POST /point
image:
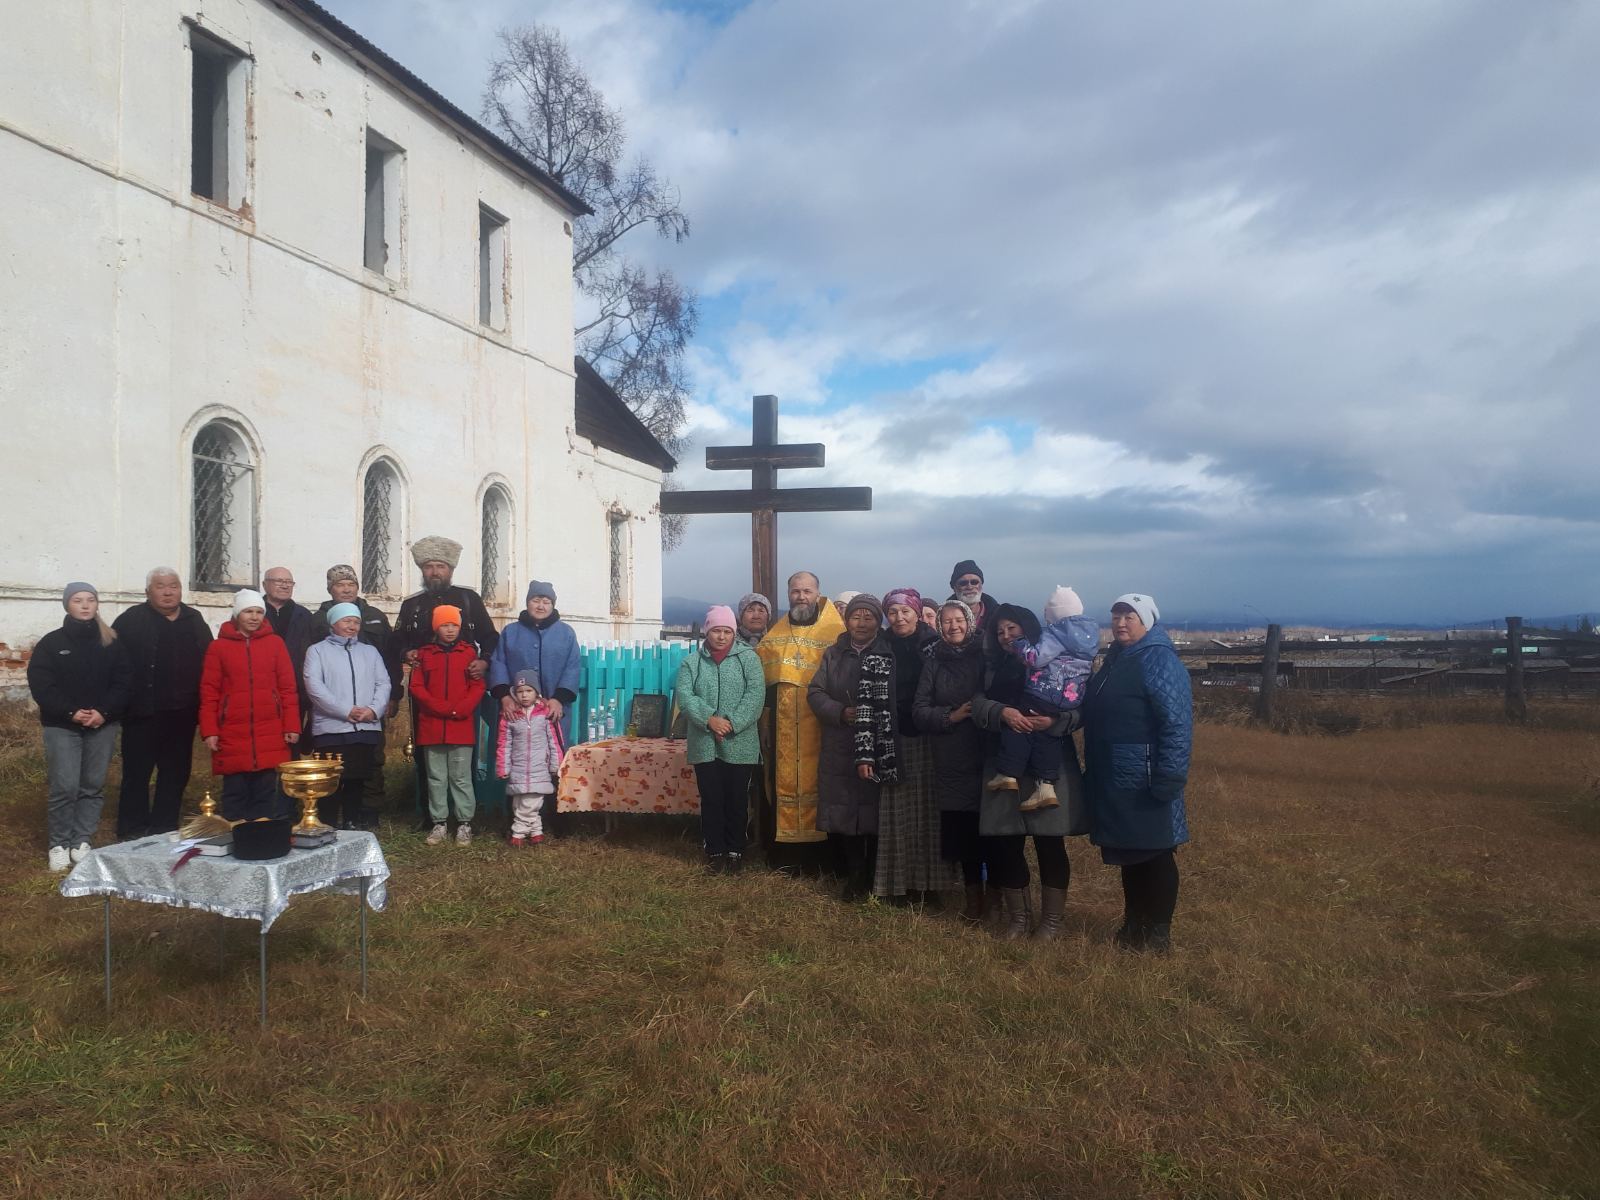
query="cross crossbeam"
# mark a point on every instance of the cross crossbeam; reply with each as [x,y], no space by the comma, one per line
[764,499]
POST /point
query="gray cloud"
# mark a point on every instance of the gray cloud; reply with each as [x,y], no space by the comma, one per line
[1341,252]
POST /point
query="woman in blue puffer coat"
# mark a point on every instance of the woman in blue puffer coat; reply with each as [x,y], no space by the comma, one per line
[1138,728]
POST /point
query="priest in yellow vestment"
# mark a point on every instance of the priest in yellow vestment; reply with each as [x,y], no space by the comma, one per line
[790,653]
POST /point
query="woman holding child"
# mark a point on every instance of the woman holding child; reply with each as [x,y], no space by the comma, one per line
[1033,774]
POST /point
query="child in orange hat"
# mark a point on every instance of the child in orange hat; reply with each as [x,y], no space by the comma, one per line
[447,699]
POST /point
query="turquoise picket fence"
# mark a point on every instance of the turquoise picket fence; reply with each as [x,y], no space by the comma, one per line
[615,671]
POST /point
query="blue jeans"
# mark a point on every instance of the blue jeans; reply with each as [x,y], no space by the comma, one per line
[75,769]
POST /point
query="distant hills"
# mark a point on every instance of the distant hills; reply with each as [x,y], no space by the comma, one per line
[682,610]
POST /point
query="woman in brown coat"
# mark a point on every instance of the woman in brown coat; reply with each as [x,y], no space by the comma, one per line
[853,694]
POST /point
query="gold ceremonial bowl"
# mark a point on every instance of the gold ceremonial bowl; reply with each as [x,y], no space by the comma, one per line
[309,780]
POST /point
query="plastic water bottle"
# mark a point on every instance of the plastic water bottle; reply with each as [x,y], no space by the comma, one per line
[611,717]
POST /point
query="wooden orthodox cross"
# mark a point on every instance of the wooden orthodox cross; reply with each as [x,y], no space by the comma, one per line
[764,500]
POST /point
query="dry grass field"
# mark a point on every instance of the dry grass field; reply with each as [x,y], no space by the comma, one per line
[1386,983]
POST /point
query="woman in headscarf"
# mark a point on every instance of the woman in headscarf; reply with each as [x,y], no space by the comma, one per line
[950,679]
[853,695]
[1003,823]
[754,615]
[1138,730]
[909,866]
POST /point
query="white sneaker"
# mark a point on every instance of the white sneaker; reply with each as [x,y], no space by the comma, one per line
[59,859]
[463,834]
[80,852]
[438,835]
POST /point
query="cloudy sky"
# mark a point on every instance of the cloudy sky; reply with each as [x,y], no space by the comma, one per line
[1268,309]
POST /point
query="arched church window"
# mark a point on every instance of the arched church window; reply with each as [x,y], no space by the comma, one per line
[223,509]
[382,547]
[495,548]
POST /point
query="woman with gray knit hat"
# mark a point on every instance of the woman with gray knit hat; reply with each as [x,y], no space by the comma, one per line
[1138,726]
[754,615]
[82,682]
[853,695]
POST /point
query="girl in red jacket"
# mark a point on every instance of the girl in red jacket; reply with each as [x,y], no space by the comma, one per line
[249,711]
[446,700]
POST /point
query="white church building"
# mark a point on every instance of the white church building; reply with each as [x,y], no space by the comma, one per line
[266,298]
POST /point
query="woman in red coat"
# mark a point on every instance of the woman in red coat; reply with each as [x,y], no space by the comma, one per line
[249,711]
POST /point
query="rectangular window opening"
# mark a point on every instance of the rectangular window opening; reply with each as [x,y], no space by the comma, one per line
[381,236]
[491,268]
[621,584]
[217,103]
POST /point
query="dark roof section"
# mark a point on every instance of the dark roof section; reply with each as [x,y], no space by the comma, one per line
[341,32]
[605,420]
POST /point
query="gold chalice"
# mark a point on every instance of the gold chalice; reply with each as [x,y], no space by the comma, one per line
[309,780]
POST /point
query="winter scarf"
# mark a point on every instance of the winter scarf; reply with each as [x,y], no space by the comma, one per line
[875,713]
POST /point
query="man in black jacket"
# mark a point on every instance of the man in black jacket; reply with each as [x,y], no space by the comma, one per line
[437,558]
[966,585]
[345,588]
[166,642]
[290,620]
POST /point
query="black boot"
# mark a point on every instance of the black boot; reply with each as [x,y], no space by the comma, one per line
[1052,914]
[716,864]
[733,863]
[1158,938]
[1015,901]
[972,914]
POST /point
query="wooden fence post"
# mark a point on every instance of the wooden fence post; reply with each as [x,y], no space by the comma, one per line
[1516,698]
[1269,674]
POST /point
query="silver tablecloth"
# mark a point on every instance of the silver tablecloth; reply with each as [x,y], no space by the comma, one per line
[251,891]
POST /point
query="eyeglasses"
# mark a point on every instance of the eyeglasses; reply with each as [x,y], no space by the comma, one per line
[969,581]
[290,582]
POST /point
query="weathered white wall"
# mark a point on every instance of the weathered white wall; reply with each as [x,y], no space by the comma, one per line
[131,312]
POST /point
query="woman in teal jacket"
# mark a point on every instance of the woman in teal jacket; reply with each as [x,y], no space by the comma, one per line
[721,689]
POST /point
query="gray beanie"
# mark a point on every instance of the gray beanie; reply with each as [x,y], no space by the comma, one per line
[540,588]
[73,588]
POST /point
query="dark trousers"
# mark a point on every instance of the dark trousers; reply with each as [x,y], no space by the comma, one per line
[855,855]
[249,795]
[960,842]
[1037,754]
[161,745]
[724,804]
[1008,862]
[1150,890]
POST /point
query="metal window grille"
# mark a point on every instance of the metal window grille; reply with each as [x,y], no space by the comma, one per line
[377,529]
[619,563]
[492,585]
[222,477]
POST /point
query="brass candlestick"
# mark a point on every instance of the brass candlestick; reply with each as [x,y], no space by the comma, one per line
[309,780]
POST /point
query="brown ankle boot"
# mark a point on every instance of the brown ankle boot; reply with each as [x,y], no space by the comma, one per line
[1016,906]
[1052,914]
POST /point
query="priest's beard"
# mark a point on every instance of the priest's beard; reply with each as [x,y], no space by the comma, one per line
[802,614]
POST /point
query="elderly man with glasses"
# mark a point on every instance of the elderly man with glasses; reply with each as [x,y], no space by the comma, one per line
[290,620]
[966,585]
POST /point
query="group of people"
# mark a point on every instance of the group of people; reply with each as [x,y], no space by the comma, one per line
[911,745]
[914,745]
[278,680]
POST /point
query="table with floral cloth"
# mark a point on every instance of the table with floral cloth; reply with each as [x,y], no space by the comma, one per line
[628,775]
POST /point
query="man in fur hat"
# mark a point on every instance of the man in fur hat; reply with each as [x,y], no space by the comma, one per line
[437,558]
